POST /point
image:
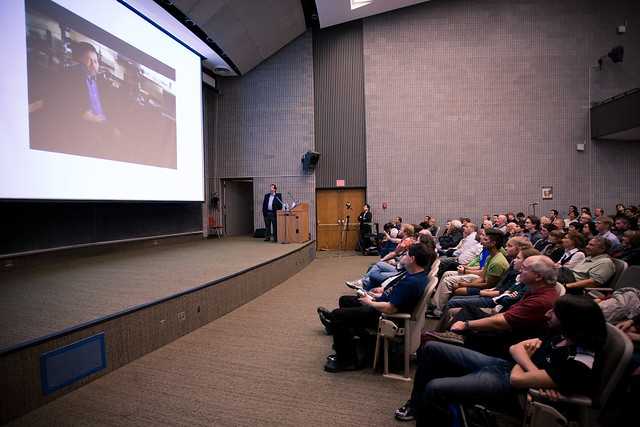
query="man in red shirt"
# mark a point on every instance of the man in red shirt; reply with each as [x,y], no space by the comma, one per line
[493,334]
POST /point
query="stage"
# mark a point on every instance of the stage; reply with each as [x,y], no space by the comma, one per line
[39,301]
[76,317]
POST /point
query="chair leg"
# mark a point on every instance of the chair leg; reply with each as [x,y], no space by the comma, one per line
[386,356]
[377,351]
[407,347]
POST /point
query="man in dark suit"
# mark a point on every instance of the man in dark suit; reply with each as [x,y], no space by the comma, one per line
[272,202]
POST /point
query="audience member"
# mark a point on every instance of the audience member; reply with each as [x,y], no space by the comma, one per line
[595,271]
[514,229]
[572,216]
[630,252]
[589,230]
[532,229]
[501,223]
[603,226]
[451,375]
[467,249]
[452,235]
[621,225]
[559,223]
[554,249]
[489,276]
[357,313]
[585,218]
[543,241]
[573,243]
[506,293]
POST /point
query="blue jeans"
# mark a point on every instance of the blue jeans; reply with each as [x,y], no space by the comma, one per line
[465,301]
[378,274]
[449,374]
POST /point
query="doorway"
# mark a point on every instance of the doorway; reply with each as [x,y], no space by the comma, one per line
[337,213]
[237,206]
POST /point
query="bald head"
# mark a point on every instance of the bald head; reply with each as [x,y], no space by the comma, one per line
[539,270]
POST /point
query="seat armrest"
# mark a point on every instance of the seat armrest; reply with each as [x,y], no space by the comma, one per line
[574,399]
[599,289]
[396,316]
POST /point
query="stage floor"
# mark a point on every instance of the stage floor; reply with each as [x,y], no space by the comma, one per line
[40,301]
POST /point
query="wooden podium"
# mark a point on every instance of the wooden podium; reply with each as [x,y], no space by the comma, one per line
[293,225]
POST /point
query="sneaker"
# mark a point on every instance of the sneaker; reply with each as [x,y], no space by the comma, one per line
[335,366]
[447,337]
[325,319]
[434,314]
[354,284]
[405,412]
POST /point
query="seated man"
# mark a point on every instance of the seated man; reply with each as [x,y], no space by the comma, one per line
[468,248]
[594,272]
[513,247]
[382,270]
[452,235]
[489,276]
[358,313]
[508,291]
[603,225]
[564,363]
[492,334]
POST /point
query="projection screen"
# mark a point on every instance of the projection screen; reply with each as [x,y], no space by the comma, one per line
[96,103]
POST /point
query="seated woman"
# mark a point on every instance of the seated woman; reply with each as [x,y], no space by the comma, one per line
[449,374]
[573,244]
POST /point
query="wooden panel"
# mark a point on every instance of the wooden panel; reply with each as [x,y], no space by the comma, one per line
[332,215]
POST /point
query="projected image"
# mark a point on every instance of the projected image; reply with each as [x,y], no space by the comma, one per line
[94,95]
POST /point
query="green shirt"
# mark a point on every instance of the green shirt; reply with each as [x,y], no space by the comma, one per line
[496,266]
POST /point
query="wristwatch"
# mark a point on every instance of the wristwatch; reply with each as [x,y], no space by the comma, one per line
[466,325]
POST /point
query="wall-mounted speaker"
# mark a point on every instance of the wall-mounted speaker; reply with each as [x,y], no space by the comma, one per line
[310,160]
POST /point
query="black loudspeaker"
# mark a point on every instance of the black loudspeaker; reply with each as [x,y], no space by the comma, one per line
[310,160]
[617,54]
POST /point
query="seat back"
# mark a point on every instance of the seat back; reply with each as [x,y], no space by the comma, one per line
[630,278]
[560,289]
[434,268]
[612,363]
[621,266]
[419,314]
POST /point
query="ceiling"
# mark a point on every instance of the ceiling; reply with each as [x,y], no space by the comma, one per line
[236,35]
[333,12]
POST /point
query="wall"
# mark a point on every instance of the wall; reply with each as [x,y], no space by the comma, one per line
[338,72]
[472,106]
[265,125]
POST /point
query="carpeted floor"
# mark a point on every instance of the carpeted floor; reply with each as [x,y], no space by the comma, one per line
[259,365]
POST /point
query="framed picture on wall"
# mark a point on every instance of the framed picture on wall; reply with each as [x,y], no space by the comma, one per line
[547,193]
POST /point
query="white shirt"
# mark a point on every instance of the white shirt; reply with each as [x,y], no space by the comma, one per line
[576,259]
[467,249]
[270,204]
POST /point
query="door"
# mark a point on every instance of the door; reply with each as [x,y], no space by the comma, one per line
[238,207]
[337,213]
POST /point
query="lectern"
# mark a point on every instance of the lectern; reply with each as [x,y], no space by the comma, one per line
[293,225]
